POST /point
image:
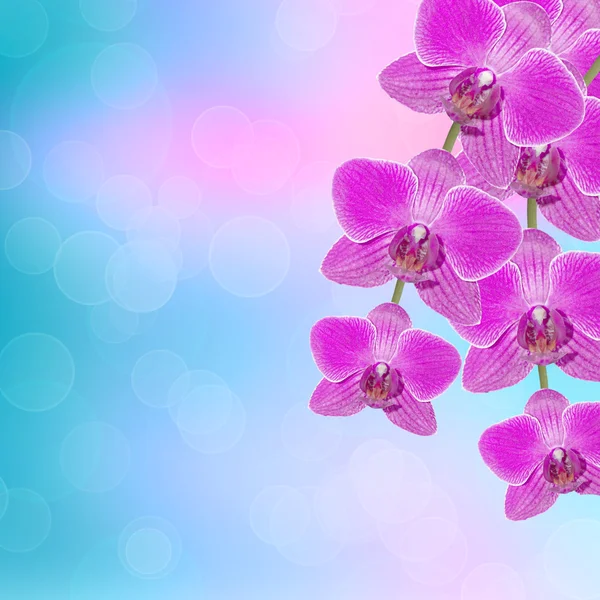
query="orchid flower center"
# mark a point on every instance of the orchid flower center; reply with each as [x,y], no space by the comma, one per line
[542,333]
[562,469]
[539,168]
[415,251]
[381,384]
[474,93]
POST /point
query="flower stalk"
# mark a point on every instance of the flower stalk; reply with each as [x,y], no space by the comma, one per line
[593,72]
[531,213]
[398,291]
[543,373]
[451,137]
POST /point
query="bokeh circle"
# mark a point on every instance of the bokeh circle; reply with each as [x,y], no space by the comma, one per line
[15,160]
[493,581]
[108,15]
[306,25]
[180,196]
[120,198]
[23,27]
[31,245]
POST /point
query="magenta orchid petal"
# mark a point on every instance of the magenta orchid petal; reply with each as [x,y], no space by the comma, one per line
[582,430]
[340,399]
[583,360]
[451,296]
[421,88]
[475,179]
[582,150]
[411,415]
[542,100]
[437,172]
[527,26]
[585,51]
[362,265]
[502,305]
[590,480]
[372,197]
[514,448]
[533,258]
[532,498]
[488,150]
[572,211]
[547,406]
[577,16]
[552,7]
[427,364]
[499,366]
[479,233]
[575,289]
[342,346]
[390,321]
[578,76]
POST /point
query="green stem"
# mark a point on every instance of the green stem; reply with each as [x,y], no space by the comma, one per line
[451,137]
[398,291]
[531,213]
[593,72]
[543,373]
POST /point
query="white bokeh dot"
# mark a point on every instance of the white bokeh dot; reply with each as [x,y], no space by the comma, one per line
[108,15]
[23,27]
[268,157]
[73,171]
[196,235]
[31,245]
[204,409]
[249,256]
[120,198]
[188,381]
[312,205]
[154,374]
[493,581]
[289,518]
[124,76]
[154,223]
[180,196]
[571,558]
[262,507]
[80,266]
[112,324]
[217,132]
[36,372]
[306,25]
[26,522]
[15,160]
[95,456]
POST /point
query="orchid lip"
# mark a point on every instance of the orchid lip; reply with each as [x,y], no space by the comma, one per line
[562,469]
[539,168]
[380,384]
[543,334]
[415,251]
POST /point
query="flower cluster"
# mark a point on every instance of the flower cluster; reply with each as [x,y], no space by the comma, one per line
[517,80]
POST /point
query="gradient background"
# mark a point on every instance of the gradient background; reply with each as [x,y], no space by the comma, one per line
[155,440]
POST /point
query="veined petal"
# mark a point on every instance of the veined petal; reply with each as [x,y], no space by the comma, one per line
[421,88]
[437,172]
[428,364]
[451,296]
[530,499]
[590,480]
[552,7]
[576,17]
[582,426]
[533,258]
[475,179]
[479,233]
[542,100]
[411,415]
[527,26]
[583,360]
[585,51]
[342,346]
[496,367]
[547,406]
[514,448]
[502,304]
[457,33]
[489,151]
[390,321]
[362,265]
[372,197]
[340,399]
[575,289]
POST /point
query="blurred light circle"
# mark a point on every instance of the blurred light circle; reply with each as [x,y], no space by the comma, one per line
[217,132]
[289,518]
[150,547]
[154,374]
[262,507]
[3,497]
[308,436]
[196,235]
[36,372]
[80,267]
[266,158]
[73,171]
[23,27]
[186,383]
[249,256]
[26,522]
[204,409]
[113,324]
[493,581]
[180,196]
[306,25]
[571,558]
[31,245]
[15,157]
[359,459]
[95,457]
[120,198]
[108,15]
[124,76]
[141,276]
[312,206]
[353,7]
[154,223]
